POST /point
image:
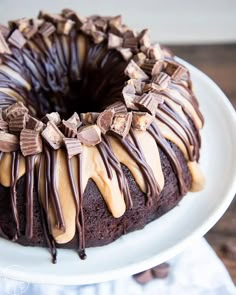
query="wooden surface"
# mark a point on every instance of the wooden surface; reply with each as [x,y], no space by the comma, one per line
[218,62]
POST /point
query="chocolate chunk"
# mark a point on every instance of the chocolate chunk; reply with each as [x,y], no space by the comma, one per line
[3,125]
[34,124]
[161,271]
[148,102]
[129,96]
[175,70]
[89,135]
[17,39]
[143,277]
[104,120]
[135,72]
[5,31]
[139,58]
[88,27]
[53,135]
[144,40]
[162,80]
[30,142]
[71,126]
[121,123]
[15,110]
[114,41]
[18,123]
[141,121]
[130,41]
[115,25]
[155,52]
[89,118]
[21,24]
[65,27]
[152,66]
[8,142]
[47,29]
[30,31]
[71,14]
[4,48]
[73,146]
[229,249]
[119,107]
[53,117]
[126,53]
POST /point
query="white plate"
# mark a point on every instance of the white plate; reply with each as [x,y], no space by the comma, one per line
[161,239]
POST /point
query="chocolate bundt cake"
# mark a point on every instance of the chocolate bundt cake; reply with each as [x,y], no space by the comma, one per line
[99,131]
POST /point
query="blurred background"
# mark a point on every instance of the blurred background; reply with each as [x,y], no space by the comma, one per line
[202,32]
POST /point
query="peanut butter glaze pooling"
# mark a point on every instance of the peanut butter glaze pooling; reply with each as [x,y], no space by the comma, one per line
[65,63]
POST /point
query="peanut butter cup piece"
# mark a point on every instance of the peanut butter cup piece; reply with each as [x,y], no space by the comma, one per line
[53,135]
[30,142]
[73,146]
[104,120]
[152,67]
[162,80]
[46,29]
[143,277]
[89,118]
[114,41]
[138,85]
[53,117]
[15,110]
[148,102]
[17,39]
[155,52]
[90,135]
[135,72]
[5,31]
[141,121]
[3,125]
[18,123]
[34,124]
[64,27]
[70,126]
[176,71]
[121,123]
[144,40]
[4,48]
[126,53]
[118,106]
[139,58]
[8,142]
[129,96]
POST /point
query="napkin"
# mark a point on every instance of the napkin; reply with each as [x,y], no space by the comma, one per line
[196,271]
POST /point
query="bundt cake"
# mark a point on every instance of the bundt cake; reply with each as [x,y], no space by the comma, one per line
[99,131]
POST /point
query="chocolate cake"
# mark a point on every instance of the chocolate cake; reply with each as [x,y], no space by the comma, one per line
[99,131]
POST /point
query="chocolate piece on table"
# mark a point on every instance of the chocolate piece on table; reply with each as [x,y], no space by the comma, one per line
[162,80]
[53,117]
[114,41]
[118,106]
[47,29]
[30,142]
[17,39]
[89,118]
[129,96]
[175,70]
[135,72]
[3,125]
[121,124]
[143,277]
[161,271]
[8,142]
[148,102]
[4,48]
[53,135]
[15,110]
[104,120]
[34,124]
[18,123]
[73,146]
[90,135]
[229,249]
[141,120]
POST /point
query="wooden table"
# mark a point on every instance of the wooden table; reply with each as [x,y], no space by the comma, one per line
[218,62]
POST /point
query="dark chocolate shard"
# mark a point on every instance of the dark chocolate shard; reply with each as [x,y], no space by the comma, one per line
[15,110]
[47,29]
[118,106]
[53,135]
[105,119]
[53,117]
[161,271]
[129,96]
[73,146]
[143,277]
[162,80]
[142,120]
[175,70]
[90,135]
[4,48]
[121,123]
[3,125]
[89,118]
[8,142]
[30,142]
[18,123]
[148,102]
[17,39]
[34,124]
[114,41]
[135,72]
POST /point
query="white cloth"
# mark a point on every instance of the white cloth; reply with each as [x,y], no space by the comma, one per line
[197,271]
